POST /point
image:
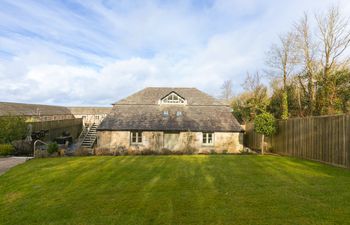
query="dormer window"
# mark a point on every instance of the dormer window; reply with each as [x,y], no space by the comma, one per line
[173,98]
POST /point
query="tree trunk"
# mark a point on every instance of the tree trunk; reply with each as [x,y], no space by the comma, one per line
[262,144]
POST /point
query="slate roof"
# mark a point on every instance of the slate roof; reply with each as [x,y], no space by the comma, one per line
[142,111]
[151,95]
[22,109]
[89,110]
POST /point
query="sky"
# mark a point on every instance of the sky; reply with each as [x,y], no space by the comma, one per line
[93,53]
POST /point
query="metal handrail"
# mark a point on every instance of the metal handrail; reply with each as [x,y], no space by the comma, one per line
[35,142]
[80,142]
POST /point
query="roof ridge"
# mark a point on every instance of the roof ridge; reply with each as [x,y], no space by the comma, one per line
[21,103]
[151,96]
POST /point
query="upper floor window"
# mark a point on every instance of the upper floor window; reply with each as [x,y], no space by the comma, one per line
[208,138]
[173,98]
[136,137]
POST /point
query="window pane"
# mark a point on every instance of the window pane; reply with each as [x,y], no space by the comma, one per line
[139,137]
[133,137]
[210,138]
[204,138]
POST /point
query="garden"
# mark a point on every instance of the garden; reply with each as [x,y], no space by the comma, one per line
[188,189]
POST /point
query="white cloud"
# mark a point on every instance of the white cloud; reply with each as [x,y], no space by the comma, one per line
[97,54]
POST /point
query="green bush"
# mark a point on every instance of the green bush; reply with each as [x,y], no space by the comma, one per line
[12,128]
[265,124]
[52,148]
[6,149]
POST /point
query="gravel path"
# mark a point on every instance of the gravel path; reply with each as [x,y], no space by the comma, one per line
[7,163]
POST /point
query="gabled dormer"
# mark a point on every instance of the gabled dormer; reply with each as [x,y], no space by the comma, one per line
[172,98]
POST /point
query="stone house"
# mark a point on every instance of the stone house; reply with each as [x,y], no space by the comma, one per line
[177,119]
[90,115]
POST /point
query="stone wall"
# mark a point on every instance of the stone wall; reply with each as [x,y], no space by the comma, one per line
[223,141]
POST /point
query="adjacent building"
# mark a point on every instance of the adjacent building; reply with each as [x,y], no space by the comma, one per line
[170,118]
[90,115]
[35,112]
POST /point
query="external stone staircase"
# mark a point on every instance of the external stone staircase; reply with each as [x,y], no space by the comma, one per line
[88,137]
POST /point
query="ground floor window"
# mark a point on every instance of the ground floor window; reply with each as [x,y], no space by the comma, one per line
[208,138]
[136,137]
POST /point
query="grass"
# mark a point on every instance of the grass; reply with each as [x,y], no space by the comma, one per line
[175,190]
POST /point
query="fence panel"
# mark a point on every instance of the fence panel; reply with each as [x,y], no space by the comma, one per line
[322,138]
[57,127]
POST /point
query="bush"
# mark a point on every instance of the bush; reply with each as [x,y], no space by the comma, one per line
[22,148]
[148,152]
[121,150]
[265,124]
[82,152]
[12,128]
[165,151]
[103,151]
[6,149]
[39,153]
[52,148]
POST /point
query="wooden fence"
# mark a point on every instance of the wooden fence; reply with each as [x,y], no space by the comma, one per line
[321,138]
[57,127]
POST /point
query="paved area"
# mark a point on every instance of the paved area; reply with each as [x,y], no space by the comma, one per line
[7,163]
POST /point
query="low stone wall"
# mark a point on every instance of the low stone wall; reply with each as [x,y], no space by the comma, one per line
[223,141]
[57,127]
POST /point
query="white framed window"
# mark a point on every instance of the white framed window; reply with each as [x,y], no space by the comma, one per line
[178,113]
[136,137]
[173,98]
[165,113]
[208,138]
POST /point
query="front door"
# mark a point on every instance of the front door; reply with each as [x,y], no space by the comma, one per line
[171,140]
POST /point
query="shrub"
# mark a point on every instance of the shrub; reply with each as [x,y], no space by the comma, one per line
[82,152]
[265,124]
[12,128]
[39,153]
[6,149]
[22,148]
[61,152]
[148,152]
[204,152]
[103,151]
[52,148]
[134,152]
[165,151]
[178,152]
[120,150]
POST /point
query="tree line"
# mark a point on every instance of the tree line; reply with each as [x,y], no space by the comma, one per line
[308,70]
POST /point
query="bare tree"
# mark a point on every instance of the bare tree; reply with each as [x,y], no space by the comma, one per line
[308,49]
[282,59]
[334,34]
[227,91]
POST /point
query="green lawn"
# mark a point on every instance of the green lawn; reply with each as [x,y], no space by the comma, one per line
[175,190]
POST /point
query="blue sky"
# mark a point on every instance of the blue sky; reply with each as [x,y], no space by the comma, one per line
[96,52]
